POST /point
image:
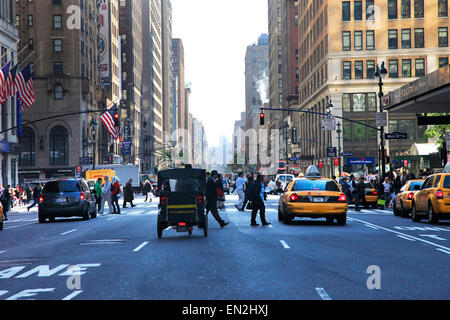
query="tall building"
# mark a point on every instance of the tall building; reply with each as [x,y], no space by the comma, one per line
[130,27]
[9,147]
[340,45]
[66,80]
[180,94]
[166,35]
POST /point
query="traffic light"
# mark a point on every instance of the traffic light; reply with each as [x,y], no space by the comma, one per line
[261,118]
[320,164]
[116,120]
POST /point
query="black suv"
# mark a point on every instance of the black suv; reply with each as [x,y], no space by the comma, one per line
[66,198]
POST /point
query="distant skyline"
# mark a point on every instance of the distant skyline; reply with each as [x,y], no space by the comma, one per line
[215,36]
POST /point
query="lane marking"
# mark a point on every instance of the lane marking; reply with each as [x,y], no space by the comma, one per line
[405,235]
[111,218]
[2,292]
[406,238]
[67,232]
[73,295]
[285,245]
[444,251]
[22,225]
[369,226]
[2,251]
[141,246]
[323,294]
[433,236]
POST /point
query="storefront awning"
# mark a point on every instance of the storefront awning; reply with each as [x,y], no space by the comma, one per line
[428,94]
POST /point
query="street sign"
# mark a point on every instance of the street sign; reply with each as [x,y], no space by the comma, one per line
[381,119]
[331,152]
[294,135]
[347,154]
[396,135]
[447,140]
[360,161]
[328,124]
[84,161]
[294,159]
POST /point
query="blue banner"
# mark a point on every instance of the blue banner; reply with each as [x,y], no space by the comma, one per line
[19,117]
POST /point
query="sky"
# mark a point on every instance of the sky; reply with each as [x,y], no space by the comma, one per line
[215,35]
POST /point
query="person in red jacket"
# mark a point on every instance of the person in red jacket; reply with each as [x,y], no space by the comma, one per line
[115,195]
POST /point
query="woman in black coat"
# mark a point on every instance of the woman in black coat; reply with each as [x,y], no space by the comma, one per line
[128,195]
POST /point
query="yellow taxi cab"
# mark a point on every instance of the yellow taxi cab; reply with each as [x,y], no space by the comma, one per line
[1,216]
[403,200]
[313,197]
[432,201]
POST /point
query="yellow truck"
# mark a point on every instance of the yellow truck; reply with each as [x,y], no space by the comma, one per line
[93,175]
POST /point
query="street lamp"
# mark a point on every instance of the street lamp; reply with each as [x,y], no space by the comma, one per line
[381,74]
[329,106]
[94,142]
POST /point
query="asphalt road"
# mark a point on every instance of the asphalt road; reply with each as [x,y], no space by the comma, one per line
[375,256]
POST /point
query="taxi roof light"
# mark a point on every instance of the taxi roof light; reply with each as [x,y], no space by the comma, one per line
[312,172]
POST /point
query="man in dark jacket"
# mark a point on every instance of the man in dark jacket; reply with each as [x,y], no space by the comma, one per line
[256,195]
[36,194]
[361,194]
[211,198]
[6,202]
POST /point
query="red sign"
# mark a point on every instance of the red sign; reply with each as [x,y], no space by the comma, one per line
[336,161]
[405,163]
[320,164]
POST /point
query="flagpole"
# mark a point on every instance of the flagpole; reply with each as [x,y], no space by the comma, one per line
[16,56]
[9,49]
[21,63]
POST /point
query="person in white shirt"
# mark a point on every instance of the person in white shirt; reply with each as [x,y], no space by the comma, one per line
[240,182]
[387,191]
[106,196]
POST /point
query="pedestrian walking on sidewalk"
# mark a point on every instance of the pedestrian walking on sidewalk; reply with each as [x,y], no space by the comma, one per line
[6,202]
[360,194]
[36,193]
[256,196]
[98,192]
[106,196]
[128,195]
[247,186]
[115,195]
[240,185]
[211,198]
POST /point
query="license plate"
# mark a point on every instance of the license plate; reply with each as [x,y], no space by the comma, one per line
[182,229]
[61,200]
[318,199]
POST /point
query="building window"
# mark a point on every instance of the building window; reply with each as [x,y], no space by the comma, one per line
[30,44]
[17,20]
[406,38]
[30,20]
[406,9]
[443,61]
[370,69]
[370,40]
[58,92]
[418,9]
[346,104]
[280,83]
[406,68]
[357,10]
[392,9]
[359,132]
[57,22]
[346,41]
[443,8]
[27,141]
[58,69]
[372,102]
[419,41]
[370,10]
[347,70]
[59,147]
[57,45]
[347,130]
[420,67]
[359,102]
[393,68]
[358,40]
[358,69]
[393,39]
[346,11]
[372,133]
[443,37]
[280,98]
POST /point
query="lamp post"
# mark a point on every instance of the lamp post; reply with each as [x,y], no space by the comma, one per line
[94,140]
[381,74]
[339,131]
[330,105]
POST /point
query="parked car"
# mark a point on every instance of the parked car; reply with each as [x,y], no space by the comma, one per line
[66,198]
[284,179]
[432,201]
[403,199]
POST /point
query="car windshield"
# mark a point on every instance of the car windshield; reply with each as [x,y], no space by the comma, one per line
[368,185]
[62,186]
[181,185]
[321,185]
[413,184]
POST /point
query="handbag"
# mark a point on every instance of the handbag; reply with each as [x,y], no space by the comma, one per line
[220,193]
[381,202]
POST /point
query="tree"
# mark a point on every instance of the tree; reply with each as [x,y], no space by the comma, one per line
[437,132]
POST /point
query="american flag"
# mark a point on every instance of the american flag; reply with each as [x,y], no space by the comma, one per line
[108,121]
[10,89]
[24,86]
[3,77]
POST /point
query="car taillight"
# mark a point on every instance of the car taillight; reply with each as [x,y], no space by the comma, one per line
[342,198]
[163,200]
[410,196]
[374,193]
[41,199]
[182,224]
[439,194]
[293,198]
[82,196]
[199,199]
